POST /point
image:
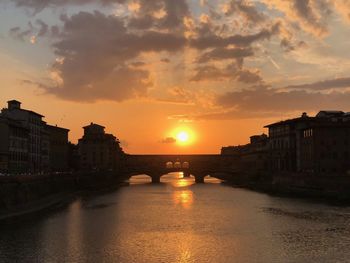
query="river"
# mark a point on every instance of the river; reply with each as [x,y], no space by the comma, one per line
[180,221]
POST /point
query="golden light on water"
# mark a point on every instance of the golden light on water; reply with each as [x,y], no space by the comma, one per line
[182,181]
[183,198]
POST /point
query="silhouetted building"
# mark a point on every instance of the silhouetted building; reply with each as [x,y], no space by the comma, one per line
[29,140]
[253,156]
[58,157]
[283,138]
[73,157]
[319,144]
[13,146]
[37,140]
[231,150]
[98,150]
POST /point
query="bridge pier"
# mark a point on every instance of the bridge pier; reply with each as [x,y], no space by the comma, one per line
[186,173]
[199,179]
[156,179]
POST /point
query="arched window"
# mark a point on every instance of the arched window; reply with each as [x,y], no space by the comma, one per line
[177,165]
[185,165]
[169,165]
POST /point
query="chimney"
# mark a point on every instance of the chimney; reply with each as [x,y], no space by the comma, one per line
[304,115]
[13,104]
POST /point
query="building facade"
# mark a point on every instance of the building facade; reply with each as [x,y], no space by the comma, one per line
[325,144]
[284,139]
[252,156]
[25,144]
[13,146]
[315,145]
[99,150]
[58,141]
[37,140]
[73,157]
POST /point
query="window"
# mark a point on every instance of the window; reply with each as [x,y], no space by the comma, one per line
[169,165]
[177,164]
[308,133]
[185,165]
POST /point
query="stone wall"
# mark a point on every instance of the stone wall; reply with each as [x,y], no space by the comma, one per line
[20,192]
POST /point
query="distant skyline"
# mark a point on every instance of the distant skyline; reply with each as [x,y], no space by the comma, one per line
[151,70]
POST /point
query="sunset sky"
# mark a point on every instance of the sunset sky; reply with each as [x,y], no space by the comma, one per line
[149,69]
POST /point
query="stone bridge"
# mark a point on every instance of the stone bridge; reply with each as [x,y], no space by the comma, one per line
[199,165]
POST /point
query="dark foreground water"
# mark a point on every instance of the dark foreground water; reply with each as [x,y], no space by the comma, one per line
[179,221]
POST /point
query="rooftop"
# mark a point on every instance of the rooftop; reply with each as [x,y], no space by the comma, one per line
[56,127]
[15,104]
[14,101]
[320,116]
[33,112]
[94,125]
[289,121]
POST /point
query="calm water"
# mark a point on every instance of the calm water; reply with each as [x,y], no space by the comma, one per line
[180,221]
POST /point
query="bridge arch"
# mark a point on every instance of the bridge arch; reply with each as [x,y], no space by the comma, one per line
[154,177]
[199,176]
[141,176]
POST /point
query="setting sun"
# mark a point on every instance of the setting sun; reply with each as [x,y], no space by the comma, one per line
[183,136]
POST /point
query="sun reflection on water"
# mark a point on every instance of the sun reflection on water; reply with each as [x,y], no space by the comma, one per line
[183,198]
[183,182]
[185,257]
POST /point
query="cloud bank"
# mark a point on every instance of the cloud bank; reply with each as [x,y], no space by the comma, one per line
[108,55]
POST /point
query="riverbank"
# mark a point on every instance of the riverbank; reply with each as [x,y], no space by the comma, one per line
[22,195]
[330,189]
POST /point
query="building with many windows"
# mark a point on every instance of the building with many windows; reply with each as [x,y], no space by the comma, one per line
[37,143]
[25,145]
[252,156]
[59,151]
[13,146]
[319,144]
[99,150]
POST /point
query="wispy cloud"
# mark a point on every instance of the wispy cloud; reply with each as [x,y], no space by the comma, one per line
[337,83]
[168,140]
